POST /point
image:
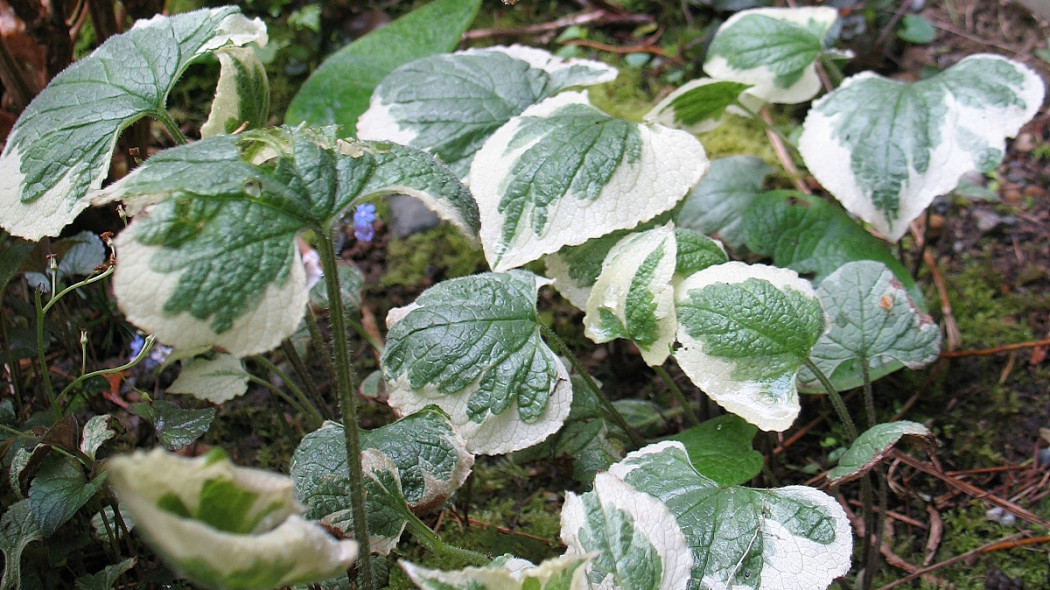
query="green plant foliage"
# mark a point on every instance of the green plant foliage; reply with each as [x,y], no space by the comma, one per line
[720,448]
[338,92]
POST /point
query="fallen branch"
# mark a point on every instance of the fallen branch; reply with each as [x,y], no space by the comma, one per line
[595,18]
[997,349]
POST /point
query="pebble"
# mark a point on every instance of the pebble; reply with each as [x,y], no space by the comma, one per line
[1013,196]
[1024,143]
[1034,191]
[408,215]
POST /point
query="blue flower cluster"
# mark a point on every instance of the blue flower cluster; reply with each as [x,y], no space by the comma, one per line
[364,217]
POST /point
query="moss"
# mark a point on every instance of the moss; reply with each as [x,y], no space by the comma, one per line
[427,257]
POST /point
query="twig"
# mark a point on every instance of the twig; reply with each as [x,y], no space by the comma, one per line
[782,153]
[950,29]
[596,17]
[996,350]
[1004,543]
[970,489]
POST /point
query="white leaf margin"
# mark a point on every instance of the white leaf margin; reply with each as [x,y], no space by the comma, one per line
[672,161]
[789,561]
[613,286]
[142,293]
[510,575]
[762,78]
[714,375]
[829,161]
[53,209]
[651,517]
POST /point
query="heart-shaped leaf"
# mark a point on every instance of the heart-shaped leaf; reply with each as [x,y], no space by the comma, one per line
[790,537]
[217,380]
[634,539]
[718,202]
[450,104]
[472,346]
[59,150]
[58,490]
[720,448]
[699,106]
[564,172]
[696,252]
[18,529]
[773,49]
[217,264]
[224,526]
[886,148]
[633,297]
[871,320]
[338,91]
[871,446]
[745,330]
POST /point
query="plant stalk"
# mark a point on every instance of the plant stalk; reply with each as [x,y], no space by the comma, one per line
[836,400]
[304,375]
[610,409]
[304,402]
[676,392]
[433,542]
[41,355]
[346,383]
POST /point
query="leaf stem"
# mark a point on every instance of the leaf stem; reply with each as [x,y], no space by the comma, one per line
[836,400]
[346,383]
[45,377]
[610,409]
[171,126]
[304,402]
[433,542]
[143,352]
[303,373]
[676,392]
[279,393]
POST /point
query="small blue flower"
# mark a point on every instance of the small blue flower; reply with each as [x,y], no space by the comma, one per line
[364,217]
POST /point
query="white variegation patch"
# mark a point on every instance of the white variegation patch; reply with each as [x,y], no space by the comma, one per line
[238,65]
[762,77]
[769,403]
[670,163]
[216,380]
[505,573]
[558,271]
[930,138]
[50,212]
[495,434]
[650,520]
[142,292]
[235,29]
[616,293]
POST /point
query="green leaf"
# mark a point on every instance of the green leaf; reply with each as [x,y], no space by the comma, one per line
[745,331]
[564,172]
[633,297]
[338,91]
[871,446]
[96,433]
[223,526]
[720,448]
[59,150]
[811,236]
[472,346]
[216,264]
[431,458]
[242,97]
[717,203]
[871,319]
[790,537]
[587,438]
[18,529]
[450,104]
[637,544]
[217,380]
[176,427]
[916,29]
[699,106]
[14,252]
[58,490]
[774,49]
[696,252]
[574,269]
[512,573]
[886,148]
[107,578]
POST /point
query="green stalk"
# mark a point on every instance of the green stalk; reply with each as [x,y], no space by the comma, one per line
[304,402]
[319,343]
[346,383]
[171,126]
[876,526]
[41,356]
[610,409]
[146,347]
[304,375]
[279,393]
[836,400]
[676,392]
[433,542]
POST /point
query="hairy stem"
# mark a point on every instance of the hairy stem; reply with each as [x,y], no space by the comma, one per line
[610,409]
[433,542]
[41,355]
[346,383]
[301,371]
[305,403]
[836,400]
